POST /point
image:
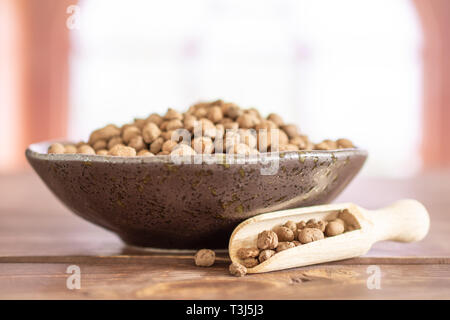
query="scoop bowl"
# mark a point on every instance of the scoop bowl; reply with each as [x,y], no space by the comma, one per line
[159,203]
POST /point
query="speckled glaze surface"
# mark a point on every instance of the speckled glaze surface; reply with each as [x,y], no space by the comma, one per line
[152,202]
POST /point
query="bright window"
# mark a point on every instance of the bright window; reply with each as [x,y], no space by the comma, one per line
[347,68]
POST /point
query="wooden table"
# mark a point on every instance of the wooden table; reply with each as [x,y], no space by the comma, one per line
[40,239]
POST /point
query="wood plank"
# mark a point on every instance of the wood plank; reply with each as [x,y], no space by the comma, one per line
[182,280]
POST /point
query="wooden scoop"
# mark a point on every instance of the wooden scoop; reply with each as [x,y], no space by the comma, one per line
[404,221]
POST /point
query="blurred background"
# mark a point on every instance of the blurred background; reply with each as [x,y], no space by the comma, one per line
[374,71]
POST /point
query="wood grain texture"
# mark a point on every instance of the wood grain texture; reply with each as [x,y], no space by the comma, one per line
[39,239]
[174,277]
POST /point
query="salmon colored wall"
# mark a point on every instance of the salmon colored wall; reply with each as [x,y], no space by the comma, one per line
[40,60]
[435,20]
[11,77]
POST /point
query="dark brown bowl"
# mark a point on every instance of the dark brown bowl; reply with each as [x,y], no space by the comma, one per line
[152,202]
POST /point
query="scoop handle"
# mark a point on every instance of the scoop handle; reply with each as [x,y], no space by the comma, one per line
[404,221]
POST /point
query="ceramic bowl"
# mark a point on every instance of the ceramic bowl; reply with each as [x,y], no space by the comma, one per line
[156,202]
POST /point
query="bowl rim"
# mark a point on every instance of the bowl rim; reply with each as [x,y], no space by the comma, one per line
[32,151]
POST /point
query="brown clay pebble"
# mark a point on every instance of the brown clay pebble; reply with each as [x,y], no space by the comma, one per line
[308,235]
[233,111]
[291,130]
[122,151]
[344,143]
[172,114]
[265,254]
[332,144]
[137,143]
[322,146]
[250,262]
[301,225]
[200,113]
[150,132]
[299,142]
[70,148]
[145,153]
[282,138]
[340,221]
[296,233]
[268,139]
[182,150]
[275,119]
[140,123]
[267,240]
[174,124]
[203,145]
[256,113]
[244,253]
[288,147]
[284,246]
[189,122]
[85,149]
[129,133]
[105,133]
[56,148]
[318,224]
[156,145]
[169,145]
[247,121]
[265,125]
[114,141]
[334,228]
[248,137]
[291,225]
[237,270]
[208,128]
[284,234]
[231,126]
[205,258]
[215,114]
[102,152]
[163,125]
[167,135]
[155,118]
[99,145]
